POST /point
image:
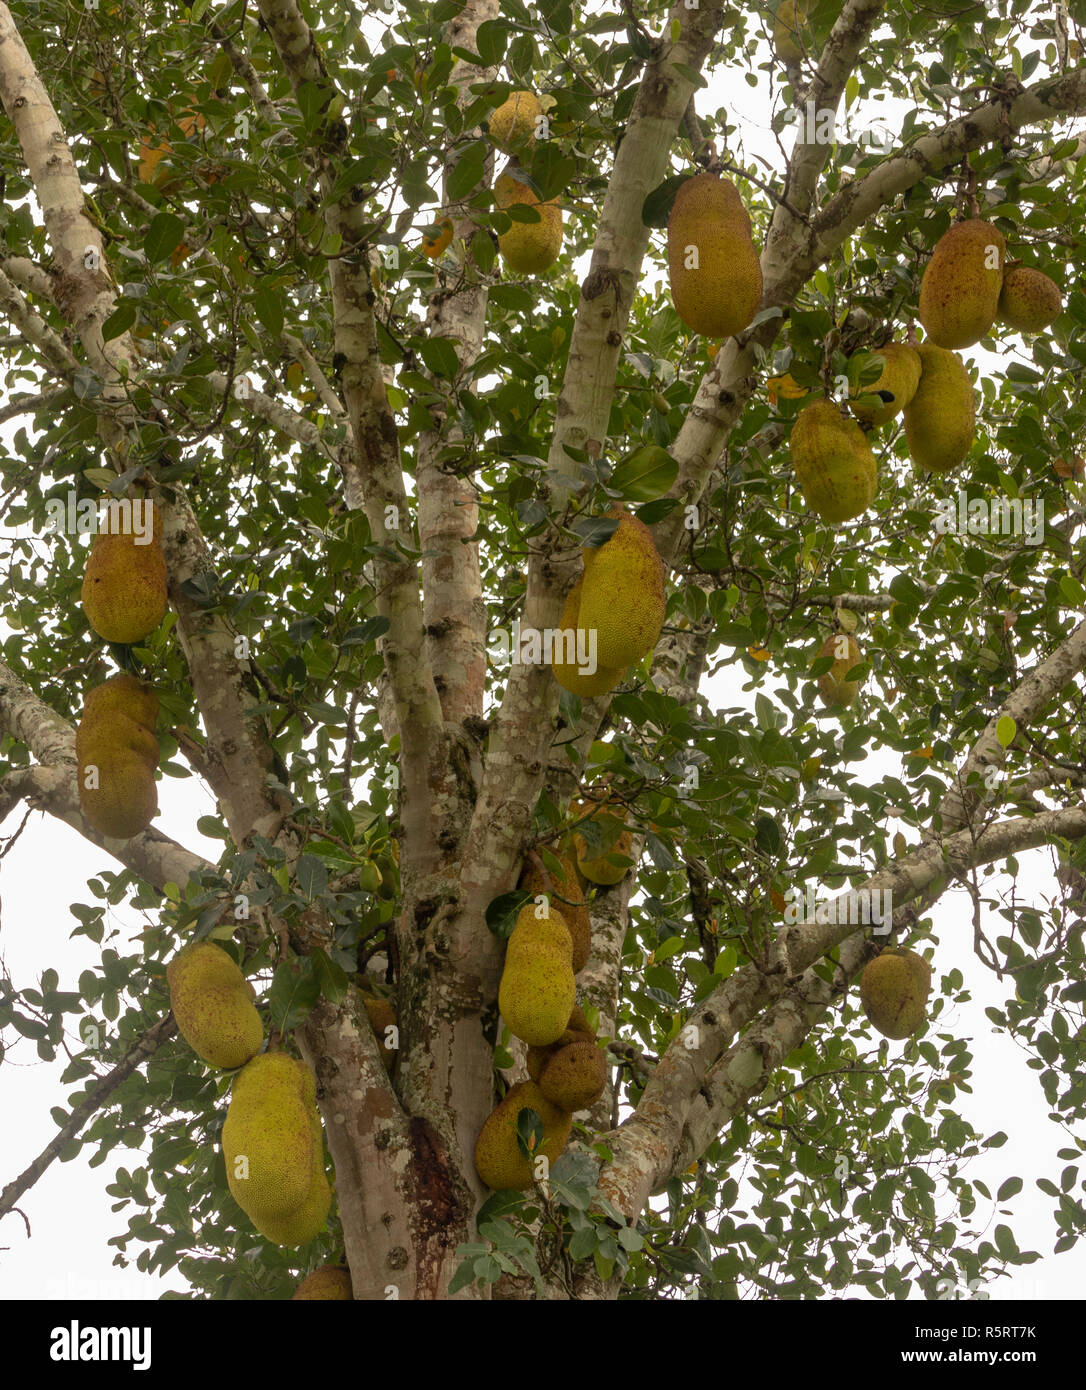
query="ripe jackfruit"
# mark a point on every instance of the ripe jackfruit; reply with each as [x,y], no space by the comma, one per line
[597,867]
[576,1030]
[382,1016]
[537,989]
[900,377]
[940,420]
[272,1124]
[894,992]
[713,267]
[124,587]
[512,125]
[959,295]
[498,1160]
[623,598]
[568,674]
[528,247]
[212,1002]
[575,1077]
[117,754]
[787,31]
[329,1281]
[833,462]
[1029,300]
[836,692]
[574,913]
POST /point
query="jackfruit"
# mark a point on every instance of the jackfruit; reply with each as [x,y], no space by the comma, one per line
[268,1124]
[576,1030]
[568,674]
[1029,300]
[212,1002]
[959,294]
[787,31]
[329,1281]
[124,586]
[894,992]
[836,692]
[833,462]
[900,377]
[575,1077]
[536,992]
[721,291]
[940,420]
[623,598]
[513,124]
[574,912]
[528,247]
[382,1016]
[498,1160]
[599,869]
[117,754]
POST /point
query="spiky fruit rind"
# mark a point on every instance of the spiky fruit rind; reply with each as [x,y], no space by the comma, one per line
[116,738]
[900,376]
[836,692]
[720,295]
[327,1282]
[574,912]
[568,674]
[623,596]
[940,420]
[512,125]
[894,992]
[124,585]
[959,295]
[213,1004]
[528,248]
[598,868]
[498,1159]
[833,463]
[268,1124]
[574,1078]
[537,989]
[1029,301]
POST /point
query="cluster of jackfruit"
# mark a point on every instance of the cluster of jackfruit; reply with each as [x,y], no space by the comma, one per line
[124,585]
[713,265]
[117,754]
[621,598]
[894,991]
[274,1149]
[213,1004]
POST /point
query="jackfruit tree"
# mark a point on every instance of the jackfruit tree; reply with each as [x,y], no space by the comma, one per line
[550,414]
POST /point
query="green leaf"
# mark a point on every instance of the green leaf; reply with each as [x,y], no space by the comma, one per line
[164,236]
[295,989]
[468,171]
[646,474]
[440,357]
[1006,729]
[1009,1189]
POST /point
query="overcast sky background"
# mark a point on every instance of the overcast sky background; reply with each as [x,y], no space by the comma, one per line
[69,1210]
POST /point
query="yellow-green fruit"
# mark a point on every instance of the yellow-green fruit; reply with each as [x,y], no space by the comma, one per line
[833,462]
[528,247]
[713,267]
[940,420]
[498,1160]
[512,125]
[837,692]
[623,598]
[267,1139]
[568,674]
[576,1030]
[329,1281]
[900,377]
[124,586]
[212,1002]
[1029,300]
[117,754]
[537,989]
[574,1078]
[382,1016]
[894,992]
[787,27]
[574,913]
[959,295]
[600,869]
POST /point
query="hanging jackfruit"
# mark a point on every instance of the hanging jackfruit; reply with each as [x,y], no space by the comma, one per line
[212,1002]
[329,1281]
[124,586]
[899,378]
[382,1016]
[1029,301]
[577,1029]
[117,754]
[959,294]
[788,35]
[596,866]
[537,990]
[836,692]
[498,1160]
[568,674]
[623,599]
[568,898]
[713,267]
[833,462]
[513,124]
[940,420]
[528,248]
[894,992]
[575,1076]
